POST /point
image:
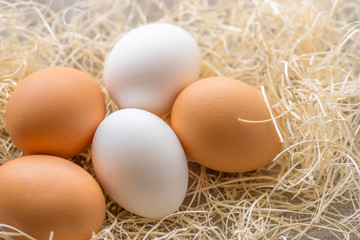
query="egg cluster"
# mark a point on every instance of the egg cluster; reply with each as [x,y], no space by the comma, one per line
[55,113]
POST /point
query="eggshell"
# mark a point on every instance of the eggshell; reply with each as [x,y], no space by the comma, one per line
[41,193]
[140,163]
[205,118]
[150,65]
[55,111]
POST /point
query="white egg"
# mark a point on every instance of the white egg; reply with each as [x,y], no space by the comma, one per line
[150,65]
[140,163]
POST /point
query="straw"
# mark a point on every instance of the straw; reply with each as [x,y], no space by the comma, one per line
[305,54]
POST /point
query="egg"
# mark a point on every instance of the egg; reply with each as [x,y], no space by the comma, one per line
[41,194]
[140,163]
[150,65]
[55,111]
[205,117]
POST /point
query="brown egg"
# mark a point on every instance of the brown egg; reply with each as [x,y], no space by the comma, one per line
[205,118]
[55,111]
[41,193]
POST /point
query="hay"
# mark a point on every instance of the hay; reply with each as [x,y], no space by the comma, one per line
[305,54]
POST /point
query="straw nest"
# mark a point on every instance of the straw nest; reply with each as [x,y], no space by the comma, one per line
[305,55]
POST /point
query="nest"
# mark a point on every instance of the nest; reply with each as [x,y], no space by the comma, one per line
[305,55]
